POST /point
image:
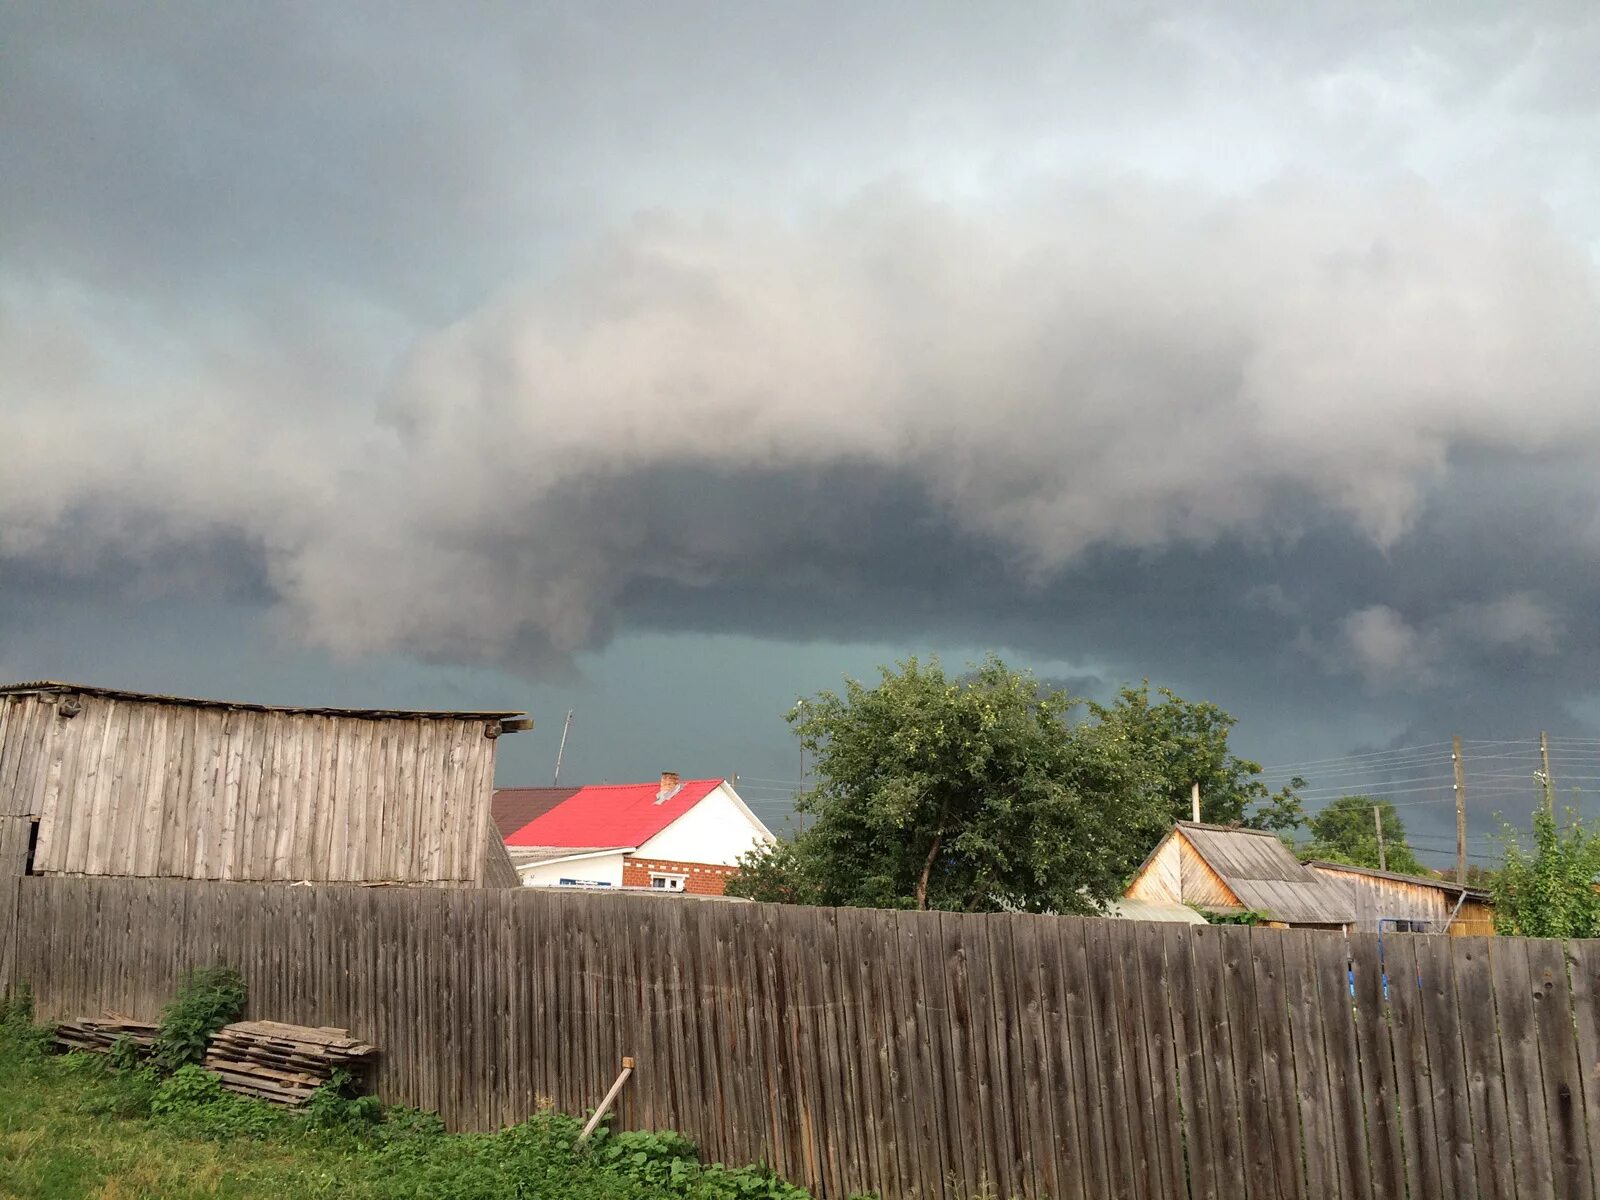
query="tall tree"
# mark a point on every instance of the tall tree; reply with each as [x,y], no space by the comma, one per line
[1181,743]
[972,793]
[1548,888]
[1347,831]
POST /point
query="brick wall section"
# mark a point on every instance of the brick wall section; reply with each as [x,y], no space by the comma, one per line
[704,879]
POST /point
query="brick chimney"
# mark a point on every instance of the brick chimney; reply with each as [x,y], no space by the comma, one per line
[669,785]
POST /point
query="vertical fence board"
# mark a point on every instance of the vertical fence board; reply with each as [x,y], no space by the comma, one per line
[1446,1066]
[1330,958]
[1560,1069]
[1585,964]
[1123,1171]
[1409,1037]
[1310,1063]
[1486,1096]
[1519,1054]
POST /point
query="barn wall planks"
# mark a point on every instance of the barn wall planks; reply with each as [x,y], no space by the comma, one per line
[921,1054]
[139,787]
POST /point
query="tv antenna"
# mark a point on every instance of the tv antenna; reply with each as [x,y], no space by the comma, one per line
[562,749]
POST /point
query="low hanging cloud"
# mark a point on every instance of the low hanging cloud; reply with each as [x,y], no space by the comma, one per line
[696,402]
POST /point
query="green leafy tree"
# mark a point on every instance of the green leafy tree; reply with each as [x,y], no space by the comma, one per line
[972,794]
[1548,888]
[1181,743]
[1346,831]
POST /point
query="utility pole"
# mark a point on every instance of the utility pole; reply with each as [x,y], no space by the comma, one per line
[1461,809]
[800,707]
[1377,820]
[562,749]
[1544,772]
[1194,801]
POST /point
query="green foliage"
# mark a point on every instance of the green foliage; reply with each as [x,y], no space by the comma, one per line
[16,1007]
[208,999]
[124,1054]
[334,1106]
[93,1130]
[193,1099]
[1345,831]
[1247,917]
[782,873]
[970,794]
[1180,743]
[20,1038]
[1547,889]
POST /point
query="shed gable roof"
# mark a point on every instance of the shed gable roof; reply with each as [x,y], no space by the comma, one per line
[53,686]
[1267,878]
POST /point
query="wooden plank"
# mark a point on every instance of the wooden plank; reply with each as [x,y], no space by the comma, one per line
[1166,1109]
[1088,1042]
[1136,1101]
[1124,1173]
[1257,1114]
[1331,963]
[1519,1056]
[1447,1074]
[1490,1131]
[968,1091]
[1408,1037]
[865,1049]
[1062,1067]
[1033,1076]
[1584,960]
[993,1049]
[1205,1066]
[1310,1068]
[1560,1069]
[954,1152]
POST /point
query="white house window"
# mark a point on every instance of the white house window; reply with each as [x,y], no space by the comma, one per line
[669,883]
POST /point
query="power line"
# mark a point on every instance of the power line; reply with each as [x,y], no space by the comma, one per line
[1312,762]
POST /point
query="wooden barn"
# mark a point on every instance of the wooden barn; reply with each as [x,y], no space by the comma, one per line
[1410,903]
[97,782]
[1224,869]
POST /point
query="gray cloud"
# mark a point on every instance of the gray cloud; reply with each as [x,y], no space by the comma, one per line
[1244,348]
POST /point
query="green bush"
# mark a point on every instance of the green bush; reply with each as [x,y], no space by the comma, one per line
[193,1101]
[208,999]
[20,1038]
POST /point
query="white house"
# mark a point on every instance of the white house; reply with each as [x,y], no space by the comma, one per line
[671,835]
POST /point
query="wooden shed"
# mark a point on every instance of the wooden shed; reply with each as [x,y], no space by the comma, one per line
[1227,869]
[113,783]
[1412,903]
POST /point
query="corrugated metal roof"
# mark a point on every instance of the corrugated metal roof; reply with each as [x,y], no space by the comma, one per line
[1155,910]
[52,685]
[528,856]
[1267,878]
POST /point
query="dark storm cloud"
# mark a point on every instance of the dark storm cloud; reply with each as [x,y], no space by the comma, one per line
[1246,348]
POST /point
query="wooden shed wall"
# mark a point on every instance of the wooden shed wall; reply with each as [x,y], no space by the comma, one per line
[1159,881]
[1376,898]
[142,788]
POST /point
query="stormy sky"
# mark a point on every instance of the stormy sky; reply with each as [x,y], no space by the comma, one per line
[666,362]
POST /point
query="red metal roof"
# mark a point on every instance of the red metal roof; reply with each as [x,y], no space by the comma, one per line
[619,814]
[515,807]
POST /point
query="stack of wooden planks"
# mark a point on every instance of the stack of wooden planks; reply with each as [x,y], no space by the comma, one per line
[101,1033]
[284,1063]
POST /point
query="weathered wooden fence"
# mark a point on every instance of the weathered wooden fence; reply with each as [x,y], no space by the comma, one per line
[921,1054]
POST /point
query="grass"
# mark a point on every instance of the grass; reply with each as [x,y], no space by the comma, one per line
[73,1126]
